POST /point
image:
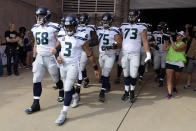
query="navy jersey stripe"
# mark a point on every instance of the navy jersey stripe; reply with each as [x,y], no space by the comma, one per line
[53,26]
[81,38]
[118,32]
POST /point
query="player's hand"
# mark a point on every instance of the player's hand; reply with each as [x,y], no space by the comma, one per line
[59,60]
[97,73]
[148,57]
[53,50]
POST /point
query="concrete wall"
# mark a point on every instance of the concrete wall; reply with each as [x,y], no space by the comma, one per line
[22,12]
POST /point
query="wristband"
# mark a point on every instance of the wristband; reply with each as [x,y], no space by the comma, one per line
[95,67]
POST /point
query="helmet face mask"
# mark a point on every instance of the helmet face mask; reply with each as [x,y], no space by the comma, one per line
[40,19]
[70,24]
[42,15]
[133,15]
[106,20]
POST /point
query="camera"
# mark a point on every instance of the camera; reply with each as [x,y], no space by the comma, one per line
[168,34]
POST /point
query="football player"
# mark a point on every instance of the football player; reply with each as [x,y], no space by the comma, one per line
[90,30]
[159,53]
[109,41]
[133,35]
[44,33]
[72,43]
[143,65]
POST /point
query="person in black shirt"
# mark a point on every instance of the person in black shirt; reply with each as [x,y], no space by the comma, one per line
[12,39]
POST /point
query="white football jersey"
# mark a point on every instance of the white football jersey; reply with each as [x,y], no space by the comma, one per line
[158,36]
[87,29]
[132,37]
[71,46]
[106,38]
[45,37]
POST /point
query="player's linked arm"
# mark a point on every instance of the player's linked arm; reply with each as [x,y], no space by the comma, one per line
[90,56]
[146,45]
[94,39]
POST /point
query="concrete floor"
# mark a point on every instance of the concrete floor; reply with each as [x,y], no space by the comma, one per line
[152,111]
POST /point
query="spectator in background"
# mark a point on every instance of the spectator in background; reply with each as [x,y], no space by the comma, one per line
[1,64]
[12,39]
[175,60]
[191,54]
[28,42]
[22,51]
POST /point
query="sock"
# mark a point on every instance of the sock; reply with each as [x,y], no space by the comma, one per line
[126,88]
[37,90]
[65,108]
[132,88]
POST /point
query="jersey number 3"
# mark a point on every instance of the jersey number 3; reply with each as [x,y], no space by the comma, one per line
[68,49]
[133,33]
[42,38]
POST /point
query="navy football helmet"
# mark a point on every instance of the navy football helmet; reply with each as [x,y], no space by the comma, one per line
[42,15]
[69,22]
[84,19]
[133,15]
[106,20]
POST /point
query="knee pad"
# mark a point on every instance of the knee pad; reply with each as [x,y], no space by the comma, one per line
[59,84]
[106,72]
[37,89]
[133,81]
[68,98]
[127,81]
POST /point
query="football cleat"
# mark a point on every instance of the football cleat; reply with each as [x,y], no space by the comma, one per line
[32,109]
[60,99]
[125,96]
[101,96]
[61,119]
[86,82]
[132,96]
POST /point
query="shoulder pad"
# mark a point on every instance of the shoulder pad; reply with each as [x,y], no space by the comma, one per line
[92,27]
[143,24]
[54,25]
[81,36]
[115,29]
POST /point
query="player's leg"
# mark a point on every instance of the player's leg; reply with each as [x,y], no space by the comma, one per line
[162,70]
[106,69]
[142,66]
[84,61]
[157,62]
[126,71]
[38,74]
[119,69]
[134,65]
[54,73]
[68,73]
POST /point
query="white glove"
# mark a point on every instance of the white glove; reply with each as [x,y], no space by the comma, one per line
[148,57]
